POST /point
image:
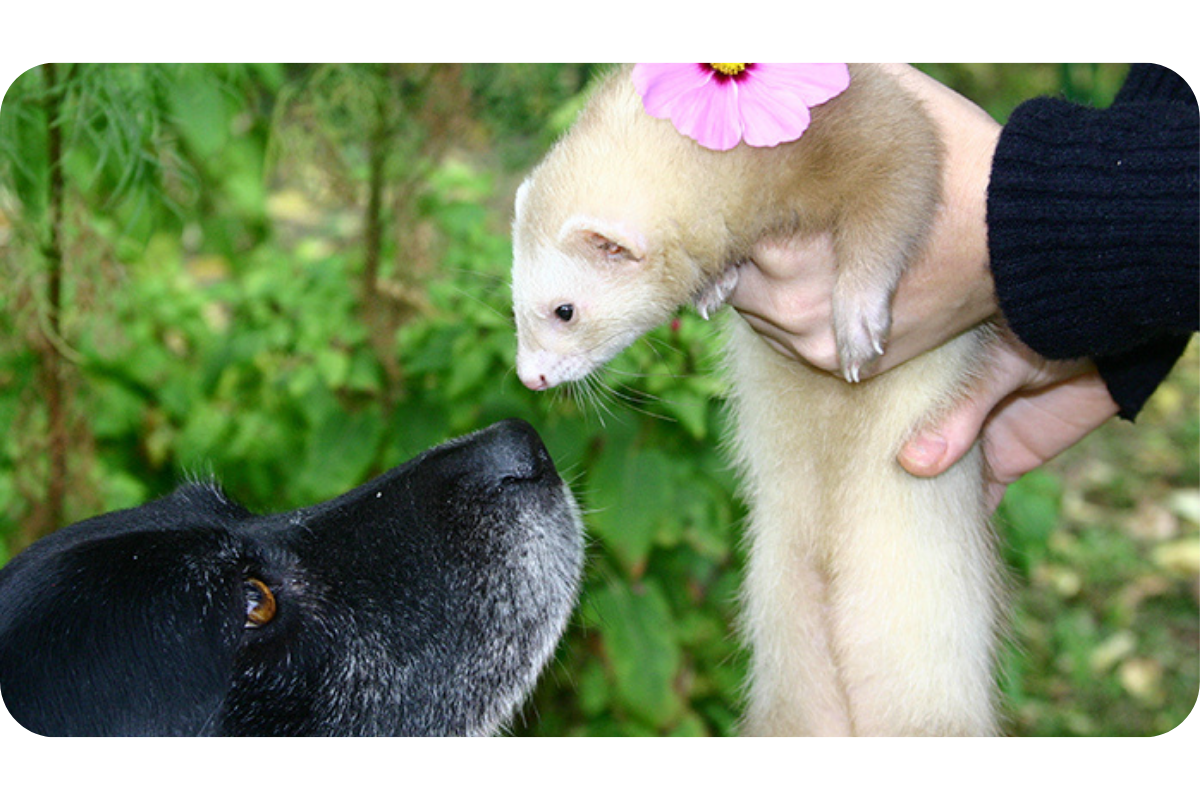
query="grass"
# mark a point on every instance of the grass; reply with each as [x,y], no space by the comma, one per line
[1106,626]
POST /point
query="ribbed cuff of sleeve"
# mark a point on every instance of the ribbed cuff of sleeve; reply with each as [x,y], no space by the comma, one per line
[1092,225]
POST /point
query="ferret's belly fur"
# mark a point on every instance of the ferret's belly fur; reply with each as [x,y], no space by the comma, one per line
[873,597]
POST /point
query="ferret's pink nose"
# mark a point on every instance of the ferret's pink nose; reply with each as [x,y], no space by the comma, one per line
[536,382]
[534,368]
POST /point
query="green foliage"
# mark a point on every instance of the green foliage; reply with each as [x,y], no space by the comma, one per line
[217,327]
[1103,545]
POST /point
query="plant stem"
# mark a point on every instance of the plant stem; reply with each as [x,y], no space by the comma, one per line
[377,312]
[51,361]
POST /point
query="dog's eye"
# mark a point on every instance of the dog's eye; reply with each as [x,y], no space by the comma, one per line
[260,603]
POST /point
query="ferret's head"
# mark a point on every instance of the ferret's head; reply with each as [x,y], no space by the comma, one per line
[606,238]
[580,295]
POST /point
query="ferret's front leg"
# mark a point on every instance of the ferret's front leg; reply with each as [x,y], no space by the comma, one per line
[877,236]
[870,260]
[862,320]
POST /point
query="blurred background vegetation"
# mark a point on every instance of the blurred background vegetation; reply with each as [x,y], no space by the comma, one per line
[293,277]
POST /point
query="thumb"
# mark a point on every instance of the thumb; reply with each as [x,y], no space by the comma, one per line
[941,443]
[937,447]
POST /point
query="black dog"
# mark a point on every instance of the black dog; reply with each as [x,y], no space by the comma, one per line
[424,602]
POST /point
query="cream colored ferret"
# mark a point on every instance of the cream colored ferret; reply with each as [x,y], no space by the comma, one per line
[872,597]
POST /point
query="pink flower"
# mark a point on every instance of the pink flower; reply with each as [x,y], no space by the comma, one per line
[720,105]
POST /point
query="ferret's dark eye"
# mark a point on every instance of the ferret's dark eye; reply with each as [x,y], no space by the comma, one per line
[565,312]
[260,603]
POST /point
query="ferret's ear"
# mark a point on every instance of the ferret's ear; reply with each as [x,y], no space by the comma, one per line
[608,240]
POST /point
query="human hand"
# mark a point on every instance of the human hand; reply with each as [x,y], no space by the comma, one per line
[1026,409]
[784,293]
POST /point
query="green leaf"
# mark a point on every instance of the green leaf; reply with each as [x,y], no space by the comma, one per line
[690,408]
[333,366]
[23,141]
[469,369]
[632,493]
[340,451]
[199,111]
[1029,514]
[642,651]
[690,725]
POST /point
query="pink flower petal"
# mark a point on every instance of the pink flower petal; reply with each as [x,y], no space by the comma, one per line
[662,85]
[769,118]
[766,105]
[776,98]
[687,94]
[709,114]
[811,84]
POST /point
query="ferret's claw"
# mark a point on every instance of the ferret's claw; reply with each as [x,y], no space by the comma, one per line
[713,296]
[861,326]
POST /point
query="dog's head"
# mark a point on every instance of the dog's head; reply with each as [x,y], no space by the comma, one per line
[424,602]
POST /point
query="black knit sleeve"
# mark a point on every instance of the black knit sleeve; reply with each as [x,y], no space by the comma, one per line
[1151,83]
[1094,230]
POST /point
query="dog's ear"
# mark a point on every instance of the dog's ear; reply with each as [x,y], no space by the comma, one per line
[116,627]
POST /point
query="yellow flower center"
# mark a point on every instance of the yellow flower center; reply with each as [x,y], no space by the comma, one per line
[729,69]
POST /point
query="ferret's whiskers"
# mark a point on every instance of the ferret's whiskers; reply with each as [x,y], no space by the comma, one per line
[505,314]
[594,389]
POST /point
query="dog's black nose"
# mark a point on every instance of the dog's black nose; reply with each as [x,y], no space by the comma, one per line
[511,450]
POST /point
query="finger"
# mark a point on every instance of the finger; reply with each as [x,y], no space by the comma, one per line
[934,450]
[768,306]
[817,349]
[937,447]
[1028,430]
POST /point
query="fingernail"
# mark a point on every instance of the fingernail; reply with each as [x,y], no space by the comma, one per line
[925,451]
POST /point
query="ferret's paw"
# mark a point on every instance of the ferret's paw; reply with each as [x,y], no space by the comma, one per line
[861,327]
